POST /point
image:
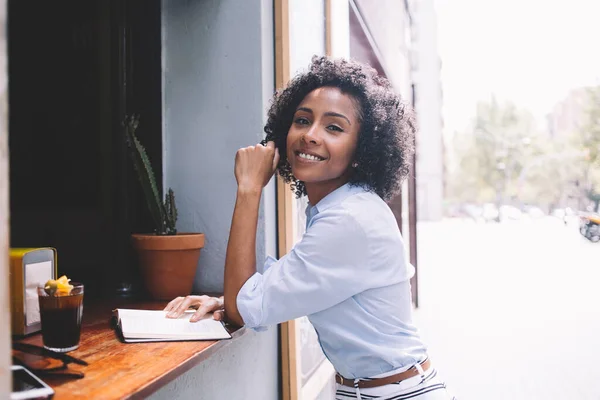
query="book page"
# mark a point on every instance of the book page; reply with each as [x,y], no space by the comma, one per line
[148,324]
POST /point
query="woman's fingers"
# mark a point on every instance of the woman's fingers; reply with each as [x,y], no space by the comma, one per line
[173,304]
[207,306]
[272,152]
[275,159]
[255,165]
[184,305]
[201,312]
[186,302]
[219,315]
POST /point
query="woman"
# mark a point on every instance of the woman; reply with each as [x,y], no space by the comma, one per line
[339,135]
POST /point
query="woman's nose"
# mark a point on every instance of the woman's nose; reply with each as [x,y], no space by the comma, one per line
[312,136]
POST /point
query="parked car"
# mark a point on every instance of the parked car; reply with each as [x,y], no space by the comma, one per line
[590,227]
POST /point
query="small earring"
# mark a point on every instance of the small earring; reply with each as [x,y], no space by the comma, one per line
[354,164]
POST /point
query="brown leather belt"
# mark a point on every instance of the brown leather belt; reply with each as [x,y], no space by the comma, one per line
[376,382]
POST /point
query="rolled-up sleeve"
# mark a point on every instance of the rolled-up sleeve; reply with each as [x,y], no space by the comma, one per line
[329,265]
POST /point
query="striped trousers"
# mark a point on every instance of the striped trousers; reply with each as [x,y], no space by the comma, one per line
[428,386]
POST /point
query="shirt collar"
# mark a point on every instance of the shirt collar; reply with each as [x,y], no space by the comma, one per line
[335,197]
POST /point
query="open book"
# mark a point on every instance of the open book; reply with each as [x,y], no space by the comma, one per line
[154,326]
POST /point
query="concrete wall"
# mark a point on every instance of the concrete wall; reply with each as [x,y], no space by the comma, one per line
[5,361]
[218,78]
[237,372]
[213,105]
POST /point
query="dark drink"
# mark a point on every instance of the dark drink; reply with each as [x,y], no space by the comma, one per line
[61,319]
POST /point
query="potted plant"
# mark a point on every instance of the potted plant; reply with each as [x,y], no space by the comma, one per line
[167,259]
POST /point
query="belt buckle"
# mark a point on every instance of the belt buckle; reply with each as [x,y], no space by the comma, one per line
[341,382]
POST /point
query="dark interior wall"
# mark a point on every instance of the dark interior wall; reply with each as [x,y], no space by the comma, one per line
[56,79]
[75,69]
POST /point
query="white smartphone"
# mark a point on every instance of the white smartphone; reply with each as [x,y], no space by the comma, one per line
[26,386]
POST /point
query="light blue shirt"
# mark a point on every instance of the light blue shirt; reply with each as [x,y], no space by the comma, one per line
[350,275]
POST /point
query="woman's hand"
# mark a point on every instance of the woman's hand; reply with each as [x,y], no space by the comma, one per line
[204,305]
[255,165]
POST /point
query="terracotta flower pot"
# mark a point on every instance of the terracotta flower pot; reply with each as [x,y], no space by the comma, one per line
[168,263]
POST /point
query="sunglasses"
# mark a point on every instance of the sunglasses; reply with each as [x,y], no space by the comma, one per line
[45,362]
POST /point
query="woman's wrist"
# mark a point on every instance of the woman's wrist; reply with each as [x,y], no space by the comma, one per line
[251,191]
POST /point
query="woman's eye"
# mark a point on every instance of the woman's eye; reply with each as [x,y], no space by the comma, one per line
[301,121]
[335,128]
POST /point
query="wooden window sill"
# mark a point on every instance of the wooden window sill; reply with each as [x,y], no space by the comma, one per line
[119,370]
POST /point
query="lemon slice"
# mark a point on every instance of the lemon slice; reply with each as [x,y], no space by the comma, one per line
[58,287]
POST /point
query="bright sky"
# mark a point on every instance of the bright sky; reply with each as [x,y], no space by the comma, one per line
[530,51]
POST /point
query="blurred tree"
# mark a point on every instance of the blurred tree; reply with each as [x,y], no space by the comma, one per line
[589,141]
[550,179]
[491,155]
[503,159]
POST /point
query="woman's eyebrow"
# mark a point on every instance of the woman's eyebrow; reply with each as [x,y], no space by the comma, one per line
[328,113]
[334,114]
[305,109]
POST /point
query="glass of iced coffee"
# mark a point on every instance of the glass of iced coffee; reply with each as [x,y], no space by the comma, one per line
[61,310]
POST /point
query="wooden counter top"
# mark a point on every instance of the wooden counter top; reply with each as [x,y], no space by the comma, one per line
[119,370]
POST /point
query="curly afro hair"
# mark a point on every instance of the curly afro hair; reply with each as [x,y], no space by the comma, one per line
[386,136]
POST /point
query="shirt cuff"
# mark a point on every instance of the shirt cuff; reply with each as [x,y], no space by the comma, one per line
[249,302]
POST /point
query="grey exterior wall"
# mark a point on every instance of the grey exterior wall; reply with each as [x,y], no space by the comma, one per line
[238,371]
[218,78]
[213,105]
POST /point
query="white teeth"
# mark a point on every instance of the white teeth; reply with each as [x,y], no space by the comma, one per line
[308,157]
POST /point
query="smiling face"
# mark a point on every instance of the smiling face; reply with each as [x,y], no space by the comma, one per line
[322,141]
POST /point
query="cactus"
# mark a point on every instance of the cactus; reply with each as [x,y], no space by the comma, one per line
[164,215]
[170,213]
